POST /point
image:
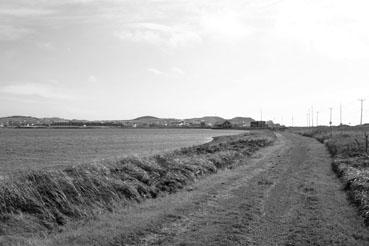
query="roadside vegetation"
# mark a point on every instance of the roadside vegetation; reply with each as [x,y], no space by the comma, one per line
[348,147]
[46,200]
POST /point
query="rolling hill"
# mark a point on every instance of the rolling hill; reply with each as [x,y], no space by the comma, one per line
[241,120]
[140,121]
[207,119]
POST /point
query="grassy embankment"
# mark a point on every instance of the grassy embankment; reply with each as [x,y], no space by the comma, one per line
[351,162]
[46,200]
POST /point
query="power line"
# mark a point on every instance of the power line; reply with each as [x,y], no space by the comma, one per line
[361,110]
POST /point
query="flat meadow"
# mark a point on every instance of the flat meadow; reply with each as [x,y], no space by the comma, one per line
[50,148]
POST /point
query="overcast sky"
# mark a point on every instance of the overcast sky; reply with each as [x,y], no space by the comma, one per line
[120,59]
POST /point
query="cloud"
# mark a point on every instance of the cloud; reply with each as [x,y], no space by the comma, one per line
[171,24]
[47,91]
[11,33]
[92,79]
[25,12]
[184,23]
[178,71]
[160,35]
[174,72]
[337,30]
[46,46]
[224,24]
[156,71]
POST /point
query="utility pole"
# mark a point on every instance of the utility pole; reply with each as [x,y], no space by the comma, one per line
[317,118]
[312,116]
[309,118]
[361,110]
[341,114]
[261,115]
[330,119]
[292,121]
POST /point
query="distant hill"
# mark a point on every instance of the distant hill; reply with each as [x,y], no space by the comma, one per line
[18,118]
[53,120]
[241,120]
[207,119]
[213,120]
[146,118]
[151,120]
[144,121]
[24,120]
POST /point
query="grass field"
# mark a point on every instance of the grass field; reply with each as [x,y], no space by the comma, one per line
[39,148]
[347,146]
[32,202]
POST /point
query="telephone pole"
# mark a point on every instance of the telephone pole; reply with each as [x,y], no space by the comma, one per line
[261,115]
[292,121]
[330,120]
[308,115]
[312,116]
[361,110]
[341,114]
[307,120]
[317,118]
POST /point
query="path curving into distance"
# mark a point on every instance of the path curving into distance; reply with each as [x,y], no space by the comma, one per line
[286,194]
[289,196]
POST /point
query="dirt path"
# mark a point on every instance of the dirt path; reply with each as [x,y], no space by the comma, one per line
[286,196]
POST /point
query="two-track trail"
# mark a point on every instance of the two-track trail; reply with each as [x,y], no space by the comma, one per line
[286,195]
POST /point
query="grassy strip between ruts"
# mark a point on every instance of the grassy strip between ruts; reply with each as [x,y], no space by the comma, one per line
[351,162]
[45,200]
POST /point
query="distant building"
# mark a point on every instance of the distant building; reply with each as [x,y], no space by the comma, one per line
[258,124]
[224,125]
[184,124]
[270,124]
[247,124]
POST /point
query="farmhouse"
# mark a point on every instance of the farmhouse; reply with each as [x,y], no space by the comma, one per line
[224,125]
[258,124]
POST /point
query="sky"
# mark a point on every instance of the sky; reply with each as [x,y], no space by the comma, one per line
[120,59]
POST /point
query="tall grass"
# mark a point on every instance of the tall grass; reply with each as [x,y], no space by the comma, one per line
[34,201]
[350,161]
